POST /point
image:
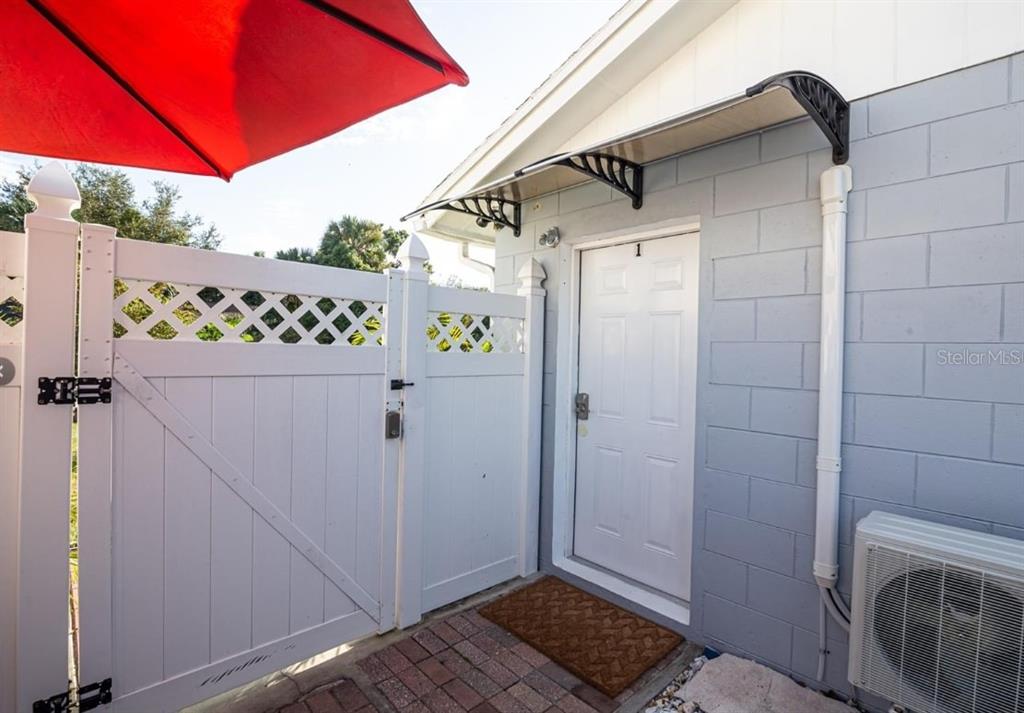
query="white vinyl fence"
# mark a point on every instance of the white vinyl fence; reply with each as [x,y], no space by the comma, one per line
[241,507]
[12,298]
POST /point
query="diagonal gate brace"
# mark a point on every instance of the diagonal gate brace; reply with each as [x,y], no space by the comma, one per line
[172,419]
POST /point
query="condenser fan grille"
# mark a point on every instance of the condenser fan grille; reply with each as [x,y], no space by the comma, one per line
[946,639]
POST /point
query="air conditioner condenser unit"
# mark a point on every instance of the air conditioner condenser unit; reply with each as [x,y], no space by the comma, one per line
[938,616]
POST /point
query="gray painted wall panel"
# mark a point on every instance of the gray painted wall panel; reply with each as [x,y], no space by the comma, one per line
[733,320]
[887,264]
[785,598]
[873,368]
[890,158]
[961,92]
[728,406]
[719,159]
[796,138]
[749,541]
[760,186]
[994,254]
[732,234]
[724,576]
[941,314]
[1008,436]
[1015,191]
[959,428]
[727,492]
[790,412]
[788,319]
[984,138]
[749,629]
[757,364]
[960,200]
[762,275]
[751,453]
[796,225]
[785,506]
[879,473]
[1013,313]
[987,491]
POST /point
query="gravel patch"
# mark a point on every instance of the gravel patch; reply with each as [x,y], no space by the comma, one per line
[670,700]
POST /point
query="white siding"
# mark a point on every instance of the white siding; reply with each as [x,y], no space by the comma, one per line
[861,47]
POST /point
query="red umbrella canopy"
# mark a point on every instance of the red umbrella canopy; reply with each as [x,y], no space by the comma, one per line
[204,86]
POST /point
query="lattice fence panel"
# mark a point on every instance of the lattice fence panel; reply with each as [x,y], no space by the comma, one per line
[12,309]
[450,331]
[163,311]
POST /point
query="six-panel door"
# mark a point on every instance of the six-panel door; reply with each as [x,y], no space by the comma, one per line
[637,363]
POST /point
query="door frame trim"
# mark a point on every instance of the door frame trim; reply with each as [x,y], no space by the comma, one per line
[566,371]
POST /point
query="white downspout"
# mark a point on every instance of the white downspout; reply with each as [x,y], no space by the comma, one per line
[836,183]
[479,265]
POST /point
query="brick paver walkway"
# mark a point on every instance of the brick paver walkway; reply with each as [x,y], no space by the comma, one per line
[463,663]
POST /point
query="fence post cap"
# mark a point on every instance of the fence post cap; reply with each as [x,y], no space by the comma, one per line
[413,253]
[531,274]
[54,192]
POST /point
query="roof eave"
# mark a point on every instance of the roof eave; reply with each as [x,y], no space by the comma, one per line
[595,57]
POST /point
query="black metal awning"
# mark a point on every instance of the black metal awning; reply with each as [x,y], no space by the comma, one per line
[619,162]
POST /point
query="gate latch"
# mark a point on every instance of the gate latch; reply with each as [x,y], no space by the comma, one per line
[85,698]
[73,390]
[393,424]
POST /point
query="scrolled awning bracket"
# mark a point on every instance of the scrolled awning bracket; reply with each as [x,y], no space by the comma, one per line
[822,102]
[488,210]
[623,176]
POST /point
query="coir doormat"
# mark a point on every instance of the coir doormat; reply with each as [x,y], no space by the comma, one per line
[603,644]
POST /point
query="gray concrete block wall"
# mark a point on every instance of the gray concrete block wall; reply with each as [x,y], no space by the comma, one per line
[934,411]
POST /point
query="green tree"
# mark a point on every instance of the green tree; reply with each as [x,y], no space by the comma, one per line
[14,202]
[352,243]
[297,255]
[108,198]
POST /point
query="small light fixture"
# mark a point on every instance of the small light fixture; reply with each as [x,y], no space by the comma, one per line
[549,238]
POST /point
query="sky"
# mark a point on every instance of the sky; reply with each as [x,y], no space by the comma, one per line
[381,168]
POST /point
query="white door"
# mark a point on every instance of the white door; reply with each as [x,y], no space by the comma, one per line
[637,365]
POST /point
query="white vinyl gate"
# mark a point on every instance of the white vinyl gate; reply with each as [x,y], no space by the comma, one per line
[240,508]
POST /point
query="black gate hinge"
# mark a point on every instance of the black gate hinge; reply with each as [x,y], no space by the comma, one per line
[73,390]
[84,699]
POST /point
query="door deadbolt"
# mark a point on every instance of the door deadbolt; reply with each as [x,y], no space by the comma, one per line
[582,406]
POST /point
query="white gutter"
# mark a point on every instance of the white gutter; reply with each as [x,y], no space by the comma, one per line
[836,183]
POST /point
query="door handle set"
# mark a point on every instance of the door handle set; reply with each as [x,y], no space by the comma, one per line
[582,402]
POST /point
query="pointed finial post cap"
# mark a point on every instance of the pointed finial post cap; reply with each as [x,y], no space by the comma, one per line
[531,275]
[54,192]
[413,253]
